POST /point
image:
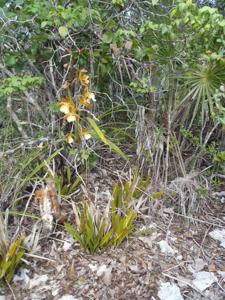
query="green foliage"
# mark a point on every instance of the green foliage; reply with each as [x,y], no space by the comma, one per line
[216,183]
[219,112]
[119,2]
[10,253]
[11,258]
[202,192]
[165,55]
[17,84]
[196,54]
[38,168]
[220,157]
[63,31]
[130,190]
[96,230]
[194,142]
[26,168]
[142,87]
[219,160]
[102,137]
[202,82]
[66,183]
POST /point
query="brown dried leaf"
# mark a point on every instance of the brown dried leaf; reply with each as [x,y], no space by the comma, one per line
[76,215]
[3,233]
[52,194]
[212,268]
[49,205]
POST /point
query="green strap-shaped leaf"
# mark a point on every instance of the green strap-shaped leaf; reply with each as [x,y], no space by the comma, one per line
[73,232]
[39,167]
[102,137]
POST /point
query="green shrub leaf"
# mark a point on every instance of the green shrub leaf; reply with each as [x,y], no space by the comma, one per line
[63,31]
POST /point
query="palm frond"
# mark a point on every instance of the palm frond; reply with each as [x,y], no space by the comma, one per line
[201,82]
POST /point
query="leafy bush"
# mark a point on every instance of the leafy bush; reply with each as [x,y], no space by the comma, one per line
[19,84]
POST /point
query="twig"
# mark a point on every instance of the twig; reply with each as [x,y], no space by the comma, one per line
[168,227]
[185,282]
[206,233]
[14,296]
[15,118]
[181,263]
[34,102]
[28,202]
[25,144]
[40,257]
[201,221]
[221,287]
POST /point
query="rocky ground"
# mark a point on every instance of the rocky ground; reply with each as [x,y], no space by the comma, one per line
[168,257]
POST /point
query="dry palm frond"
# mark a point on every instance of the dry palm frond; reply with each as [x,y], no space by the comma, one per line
[49,205]
[186,190]
[150,147]
[4,240]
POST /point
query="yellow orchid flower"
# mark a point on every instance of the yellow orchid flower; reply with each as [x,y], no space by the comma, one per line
[85,102]
[71,117]
[69,138]
[84,79]
[85,134]
[67,107]
[92,97]
[86,99]
[64,108]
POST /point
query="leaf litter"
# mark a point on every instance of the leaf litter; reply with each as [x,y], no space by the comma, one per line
[165,259]
[219,235]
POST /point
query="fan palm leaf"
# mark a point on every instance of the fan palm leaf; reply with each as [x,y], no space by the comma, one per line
[201,82]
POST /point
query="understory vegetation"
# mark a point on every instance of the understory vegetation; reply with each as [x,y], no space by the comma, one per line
[83,83]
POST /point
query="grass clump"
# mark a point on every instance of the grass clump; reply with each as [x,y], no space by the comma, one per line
[96,230]
[11,253]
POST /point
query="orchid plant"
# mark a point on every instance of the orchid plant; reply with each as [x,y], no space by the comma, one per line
[78,113]
[72,112]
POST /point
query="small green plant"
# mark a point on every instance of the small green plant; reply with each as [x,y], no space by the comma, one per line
[219,160]
[220,157]
[202,192]
[131,190]
[66,184]
[95,230]
[142,86]
[216,183]
[10,253]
